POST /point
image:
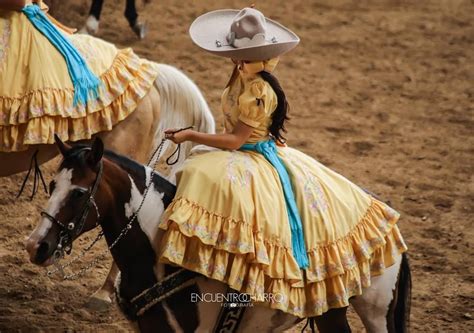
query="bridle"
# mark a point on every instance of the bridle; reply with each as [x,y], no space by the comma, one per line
[73,228]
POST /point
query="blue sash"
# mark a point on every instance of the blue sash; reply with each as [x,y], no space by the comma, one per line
[86,84]
[269,150]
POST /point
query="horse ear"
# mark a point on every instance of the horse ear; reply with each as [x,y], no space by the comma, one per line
[97,151]
[62,147]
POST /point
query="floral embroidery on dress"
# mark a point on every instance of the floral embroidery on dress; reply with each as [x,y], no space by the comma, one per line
[353,287]
[314,193]
[200,231]
[238,281]
[215,271]
[3,118]
[84,49]
[240,169]
[35,111]
[231,245]
[5,26]
[312,188]
[172,252]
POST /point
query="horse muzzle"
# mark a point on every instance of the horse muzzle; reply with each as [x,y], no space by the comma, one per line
[40,252]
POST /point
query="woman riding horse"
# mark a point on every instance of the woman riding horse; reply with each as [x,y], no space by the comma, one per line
[53,81]
[258,215]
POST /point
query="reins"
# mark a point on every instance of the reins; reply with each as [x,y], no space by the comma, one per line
[67,236]
[37,177]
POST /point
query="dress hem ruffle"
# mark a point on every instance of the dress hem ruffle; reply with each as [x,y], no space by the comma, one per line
[230,251]
[35,117]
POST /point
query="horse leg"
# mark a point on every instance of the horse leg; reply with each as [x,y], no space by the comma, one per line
[334,320]
[129,138]
[102,298]
[375,306]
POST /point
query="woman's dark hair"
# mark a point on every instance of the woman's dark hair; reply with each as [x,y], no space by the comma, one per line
[280,115]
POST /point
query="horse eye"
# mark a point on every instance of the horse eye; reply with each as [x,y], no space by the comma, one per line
[77,193]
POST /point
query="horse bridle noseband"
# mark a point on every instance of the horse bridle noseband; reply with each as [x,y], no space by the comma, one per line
[74,228]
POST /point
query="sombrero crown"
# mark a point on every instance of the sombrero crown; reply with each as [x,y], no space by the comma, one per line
[242,35]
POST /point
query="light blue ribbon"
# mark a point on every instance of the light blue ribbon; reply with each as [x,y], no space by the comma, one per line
[269,150]
[86,84]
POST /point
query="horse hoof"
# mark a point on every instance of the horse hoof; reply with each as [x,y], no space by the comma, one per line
[91,27]
[98,302]
[140,29]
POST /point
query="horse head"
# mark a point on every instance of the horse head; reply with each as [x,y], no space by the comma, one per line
[76,194]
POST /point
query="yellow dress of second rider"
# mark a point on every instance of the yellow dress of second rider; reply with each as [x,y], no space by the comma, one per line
[36,91]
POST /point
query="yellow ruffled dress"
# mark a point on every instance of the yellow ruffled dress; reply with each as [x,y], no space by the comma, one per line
[36,92]
[228,220]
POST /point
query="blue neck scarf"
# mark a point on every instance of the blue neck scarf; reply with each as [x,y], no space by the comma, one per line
[269,150]
[86,84]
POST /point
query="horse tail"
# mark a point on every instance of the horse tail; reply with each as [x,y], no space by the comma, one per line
[403,306]
[181,105]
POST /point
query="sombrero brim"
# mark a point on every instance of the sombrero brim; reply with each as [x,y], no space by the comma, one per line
[213,27]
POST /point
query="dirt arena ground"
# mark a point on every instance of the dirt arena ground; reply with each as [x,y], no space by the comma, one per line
[381,91]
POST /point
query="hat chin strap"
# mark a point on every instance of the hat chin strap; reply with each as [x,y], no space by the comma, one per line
[258,66]
[256,40]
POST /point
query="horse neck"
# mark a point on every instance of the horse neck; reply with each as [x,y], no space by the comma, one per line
[134,252]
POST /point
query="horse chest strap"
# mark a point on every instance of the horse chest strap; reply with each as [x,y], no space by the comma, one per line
[160,291]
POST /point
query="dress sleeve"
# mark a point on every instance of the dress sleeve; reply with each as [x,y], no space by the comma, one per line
[253,103]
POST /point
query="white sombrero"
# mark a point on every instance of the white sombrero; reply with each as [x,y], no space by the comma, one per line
[242,35]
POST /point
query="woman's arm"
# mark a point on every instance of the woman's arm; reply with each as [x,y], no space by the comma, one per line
[230,141]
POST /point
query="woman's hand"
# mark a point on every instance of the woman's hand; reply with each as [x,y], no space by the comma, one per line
[230,141]
[178,136]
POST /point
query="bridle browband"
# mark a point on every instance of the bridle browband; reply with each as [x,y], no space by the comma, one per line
[74,228]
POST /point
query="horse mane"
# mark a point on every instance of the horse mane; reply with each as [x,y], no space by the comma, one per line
[182,105]
[124,162]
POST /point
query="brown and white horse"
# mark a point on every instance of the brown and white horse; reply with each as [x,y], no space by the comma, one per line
[120,187]
[173,101]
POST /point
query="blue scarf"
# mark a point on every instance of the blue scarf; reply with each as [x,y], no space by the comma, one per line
[269,150]
[86,84]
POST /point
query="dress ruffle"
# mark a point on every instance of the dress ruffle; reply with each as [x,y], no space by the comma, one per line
[35,117]
[230,251]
